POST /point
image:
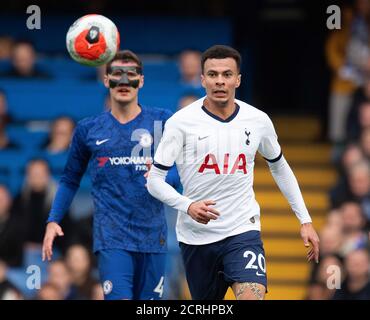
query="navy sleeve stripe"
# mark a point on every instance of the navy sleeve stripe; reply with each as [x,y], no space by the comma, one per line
[160,166]
[276,159]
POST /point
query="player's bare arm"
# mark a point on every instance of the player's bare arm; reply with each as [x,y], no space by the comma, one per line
[53,230]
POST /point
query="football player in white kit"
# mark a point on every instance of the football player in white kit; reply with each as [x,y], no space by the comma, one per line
[213,142]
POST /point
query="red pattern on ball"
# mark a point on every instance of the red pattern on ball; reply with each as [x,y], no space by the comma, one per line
[89,51]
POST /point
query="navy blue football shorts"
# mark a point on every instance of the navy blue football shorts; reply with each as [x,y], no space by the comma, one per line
[131,275]
[212,268]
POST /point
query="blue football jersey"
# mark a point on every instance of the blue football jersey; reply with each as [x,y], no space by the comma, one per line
[126,216]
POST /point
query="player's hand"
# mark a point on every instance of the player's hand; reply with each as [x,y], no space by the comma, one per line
[53,230]
[310,236]
[201,211]
[148,165]
[146,174]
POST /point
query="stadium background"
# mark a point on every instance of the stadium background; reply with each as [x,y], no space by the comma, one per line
[286,73]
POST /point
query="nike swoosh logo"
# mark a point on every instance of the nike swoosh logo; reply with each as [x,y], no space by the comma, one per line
[259,274]
[201,138]
[99,142]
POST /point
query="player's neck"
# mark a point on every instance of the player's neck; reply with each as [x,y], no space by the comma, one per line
[125,112]
[223,111]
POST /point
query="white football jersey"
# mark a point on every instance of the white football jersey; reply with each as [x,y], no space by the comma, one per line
[215,161]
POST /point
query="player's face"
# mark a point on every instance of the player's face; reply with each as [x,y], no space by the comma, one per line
[220,79]
[123,93]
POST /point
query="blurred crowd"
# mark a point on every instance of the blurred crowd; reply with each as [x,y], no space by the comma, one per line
[345,235]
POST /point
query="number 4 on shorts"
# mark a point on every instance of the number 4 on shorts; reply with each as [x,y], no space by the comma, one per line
[159,288]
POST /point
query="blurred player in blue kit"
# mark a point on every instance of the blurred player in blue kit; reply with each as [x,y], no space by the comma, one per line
[129,228]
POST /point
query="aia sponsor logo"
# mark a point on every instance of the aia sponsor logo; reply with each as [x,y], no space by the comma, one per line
[210,163]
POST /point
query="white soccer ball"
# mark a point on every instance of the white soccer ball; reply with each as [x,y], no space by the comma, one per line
[93,40]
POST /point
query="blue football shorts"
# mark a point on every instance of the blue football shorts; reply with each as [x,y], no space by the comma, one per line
[127,275]
[212,268]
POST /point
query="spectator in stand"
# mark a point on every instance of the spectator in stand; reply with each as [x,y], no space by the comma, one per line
[34,202]
[358,53]
[49,291]
[351,155]
[332,241]
[353,127]
[354,223]
[355,188]
[7,290]
[6,46]
[187,99]
[343,82]
[79,263]
[60,136]
[190,68]
[365,142]
[359,182]
[24,63]
[59,276]
[4,106]
[5,119]
[11,231]
[362,121]
[334,220]
[356,285]
[97,292]
[321,286]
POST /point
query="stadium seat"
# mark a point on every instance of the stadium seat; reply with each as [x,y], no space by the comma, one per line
[12,163]
[26,138]
[46,100]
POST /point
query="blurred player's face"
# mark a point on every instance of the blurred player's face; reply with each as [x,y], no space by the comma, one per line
[220,79]
[123,93]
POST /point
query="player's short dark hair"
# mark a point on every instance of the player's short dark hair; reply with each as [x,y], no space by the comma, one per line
[125,55]
[221,52]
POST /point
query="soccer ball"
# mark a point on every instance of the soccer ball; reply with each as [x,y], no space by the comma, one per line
[93,40]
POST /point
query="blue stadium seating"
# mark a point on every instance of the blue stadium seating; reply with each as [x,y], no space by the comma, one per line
[25,138]
[12,164]
[46,100]
[160,35]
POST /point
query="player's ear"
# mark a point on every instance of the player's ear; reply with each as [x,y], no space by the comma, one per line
[106,81]
[238,81]
[141,83]
[202,81]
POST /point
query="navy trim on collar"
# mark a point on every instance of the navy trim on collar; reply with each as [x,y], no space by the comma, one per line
[235,113]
